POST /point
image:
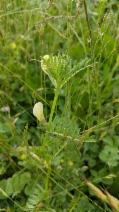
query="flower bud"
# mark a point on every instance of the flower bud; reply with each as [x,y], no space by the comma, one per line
[46,57]
[43,65]
[38,112]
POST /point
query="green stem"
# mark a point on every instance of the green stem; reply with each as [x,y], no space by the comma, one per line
[52,112]
[54,103]
[47,184]
[45,139]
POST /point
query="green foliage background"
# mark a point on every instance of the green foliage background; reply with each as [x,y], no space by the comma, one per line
[82,141]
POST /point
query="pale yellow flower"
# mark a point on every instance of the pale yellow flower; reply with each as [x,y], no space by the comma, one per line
[23,156]
[70,163]
[13,46]
[61,161]
[38,111]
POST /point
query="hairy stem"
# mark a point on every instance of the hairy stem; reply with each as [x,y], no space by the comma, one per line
[54,103]
[46,137]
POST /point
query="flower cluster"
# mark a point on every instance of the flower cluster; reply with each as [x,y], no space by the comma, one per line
[43,64]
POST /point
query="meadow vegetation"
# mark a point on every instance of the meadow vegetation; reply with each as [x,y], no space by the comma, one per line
[59,106]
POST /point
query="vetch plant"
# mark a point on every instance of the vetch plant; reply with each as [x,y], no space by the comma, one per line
[60,69]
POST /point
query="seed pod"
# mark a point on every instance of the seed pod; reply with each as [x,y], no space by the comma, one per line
[96,191]
[113,202]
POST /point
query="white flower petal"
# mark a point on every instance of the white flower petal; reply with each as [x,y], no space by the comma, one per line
[38,111]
